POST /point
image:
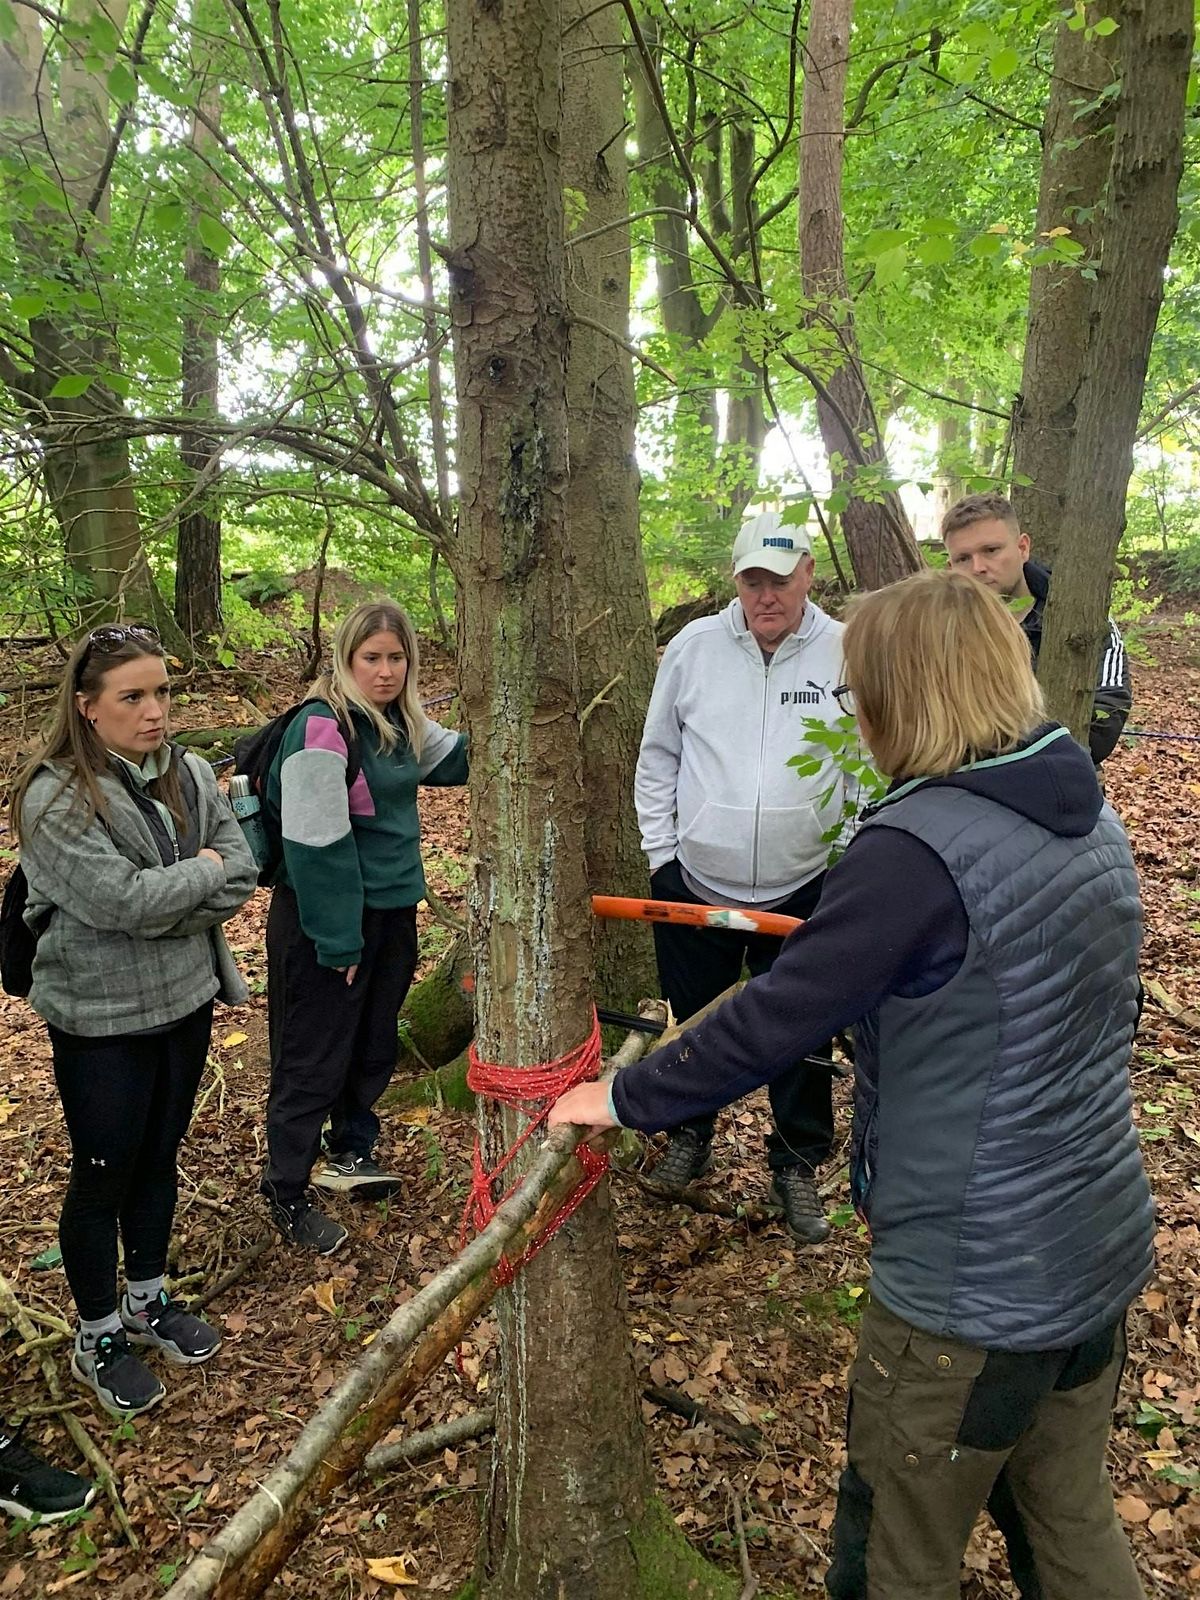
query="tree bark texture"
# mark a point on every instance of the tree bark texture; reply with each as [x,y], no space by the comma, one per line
[614,631]
[878,535]
[86,469]
[198,556]
[1141,215]
[564,1494]
[1076,157]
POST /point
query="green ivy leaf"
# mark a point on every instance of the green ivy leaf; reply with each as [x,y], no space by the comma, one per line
[72,385]
[1105,26]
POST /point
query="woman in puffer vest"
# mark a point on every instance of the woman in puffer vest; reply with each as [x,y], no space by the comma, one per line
[981,933]
[134,861]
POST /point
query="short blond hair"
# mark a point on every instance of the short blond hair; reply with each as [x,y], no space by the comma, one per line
[941,673]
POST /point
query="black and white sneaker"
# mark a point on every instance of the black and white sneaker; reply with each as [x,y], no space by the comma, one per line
[302,1224]
[123,1385]
[184,1339]
[31,1487]
[348,1173]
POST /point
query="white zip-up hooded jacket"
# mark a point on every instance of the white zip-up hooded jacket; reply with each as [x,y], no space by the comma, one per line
[713,784]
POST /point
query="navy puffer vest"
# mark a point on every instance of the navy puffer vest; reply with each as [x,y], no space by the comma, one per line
[995,1155]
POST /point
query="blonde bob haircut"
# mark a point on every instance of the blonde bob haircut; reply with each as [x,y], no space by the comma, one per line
[941,674]
[337,686]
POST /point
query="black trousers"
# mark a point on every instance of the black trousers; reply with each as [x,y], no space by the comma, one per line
[696,964]
[333,1044]
[127,1101]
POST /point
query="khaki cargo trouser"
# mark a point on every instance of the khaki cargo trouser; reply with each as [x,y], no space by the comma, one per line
[937,1430]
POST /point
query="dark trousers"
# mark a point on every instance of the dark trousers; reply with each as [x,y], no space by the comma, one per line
[696,964]
[938,1429]
[127,1101]
[333,1044]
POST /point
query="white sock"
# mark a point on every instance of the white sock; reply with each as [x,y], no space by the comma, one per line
[140,1292]
[90,1333]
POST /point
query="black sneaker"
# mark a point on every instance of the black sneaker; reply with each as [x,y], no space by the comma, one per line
[794,1191]
[302,1224]
[688,1157]
[123,1385]
[357,1175]
[31,1487]
[182,1338]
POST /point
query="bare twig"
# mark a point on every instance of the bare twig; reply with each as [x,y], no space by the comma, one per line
[749,1581]
[419,1446]
[692,1411]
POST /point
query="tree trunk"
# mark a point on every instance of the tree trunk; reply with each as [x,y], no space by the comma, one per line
[1076,156]
[878,534]
[85,456]
[198,556]
[1155,44]
[561,1493]
[614,632]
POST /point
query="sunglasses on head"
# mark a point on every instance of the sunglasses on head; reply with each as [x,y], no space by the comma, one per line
[112,635]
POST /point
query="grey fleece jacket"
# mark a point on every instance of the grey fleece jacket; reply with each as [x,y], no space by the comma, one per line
[131,944]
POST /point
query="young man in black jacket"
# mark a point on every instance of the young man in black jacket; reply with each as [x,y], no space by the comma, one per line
[983,538]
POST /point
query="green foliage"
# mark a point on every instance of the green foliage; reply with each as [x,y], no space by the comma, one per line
[839,743]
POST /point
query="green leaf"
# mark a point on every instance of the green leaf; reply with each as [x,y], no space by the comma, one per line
[935,252]
[72,385]
[977,36]
[890,266]
[47,1260]
[1004,63]
[122,84]
[28,305]
[214,235]
[101,33]
[157,81]
[169,215]
[1105,26]
[986,246]
[9,27]
[797,514]
[881,240]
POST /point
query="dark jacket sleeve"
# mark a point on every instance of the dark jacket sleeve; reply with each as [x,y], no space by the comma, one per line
[890,921]
[1113,699]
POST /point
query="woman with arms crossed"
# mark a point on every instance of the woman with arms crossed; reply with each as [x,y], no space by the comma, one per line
[982,934]
[134,861]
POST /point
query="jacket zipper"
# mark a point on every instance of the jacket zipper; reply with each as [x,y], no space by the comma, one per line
[762,740]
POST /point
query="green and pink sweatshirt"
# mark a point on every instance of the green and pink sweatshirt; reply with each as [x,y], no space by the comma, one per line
[346,848]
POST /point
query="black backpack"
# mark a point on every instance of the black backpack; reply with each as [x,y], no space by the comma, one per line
[18,941]
[253,757]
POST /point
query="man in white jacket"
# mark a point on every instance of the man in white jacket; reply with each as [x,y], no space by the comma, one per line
[726,821]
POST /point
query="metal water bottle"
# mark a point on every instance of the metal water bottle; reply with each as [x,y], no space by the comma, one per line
[247,808]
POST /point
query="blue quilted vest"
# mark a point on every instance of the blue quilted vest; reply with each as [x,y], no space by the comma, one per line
[994,1152]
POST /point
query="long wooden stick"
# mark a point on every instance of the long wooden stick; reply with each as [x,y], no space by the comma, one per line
[255,1543]
[444,1436]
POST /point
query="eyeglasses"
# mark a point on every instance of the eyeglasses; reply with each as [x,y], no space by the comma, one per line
[844,695]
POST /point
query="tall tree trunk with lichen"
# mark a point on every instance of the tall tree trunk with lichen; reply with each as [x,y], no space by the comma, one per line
[1076,157]
[614,632]
[1155,42]
[569,1508]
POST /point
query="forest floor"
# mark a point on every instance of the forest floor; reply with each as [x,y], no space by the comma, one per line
[732,1314]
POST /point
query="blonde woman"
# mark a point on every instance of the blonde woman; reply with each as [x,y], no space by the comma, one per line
[981,933]
[342,930]
[134,861]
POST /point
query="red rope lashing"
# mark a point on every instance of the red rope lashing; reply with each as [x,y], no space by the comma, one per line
[532,1091]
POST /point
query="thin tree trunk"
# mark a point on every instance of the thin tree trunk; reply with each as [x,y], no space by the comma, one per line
[85,458]
[198,557]
[1155,43]
[615,634]
[1076,156]
[878,534]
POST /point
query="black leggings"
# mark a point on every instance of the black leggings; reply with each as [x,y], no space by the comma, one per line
[127,1102]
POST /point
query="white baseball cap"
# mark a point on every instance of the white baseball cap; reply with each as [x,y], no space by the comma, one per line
[765,541]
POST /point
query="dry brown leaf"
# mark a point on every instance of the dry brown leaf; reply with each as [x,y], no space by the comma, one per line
[1131,1509]
[391,1569]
